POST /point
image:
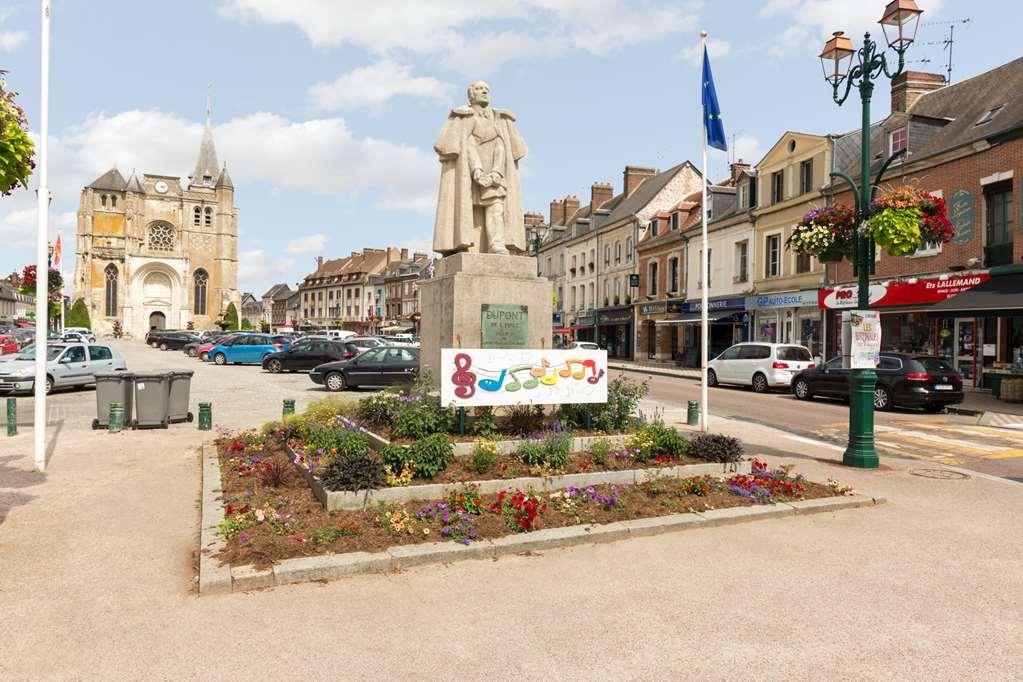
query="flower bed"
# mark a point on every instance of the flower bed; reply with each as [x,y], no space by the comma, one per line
[271,514]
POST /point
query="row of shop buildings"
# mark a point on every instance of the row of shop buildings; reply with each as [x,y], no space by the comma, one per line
[962,300]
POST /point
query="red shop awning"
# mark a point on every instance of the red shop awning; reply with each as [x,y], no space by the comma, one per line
[561,330]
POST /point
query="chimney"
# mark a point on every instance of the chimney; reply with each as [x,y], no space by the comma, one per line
[393,254]
[600,194]
[908,86]
[634,175]
[557,212]
[737,169]
[404,254]
[532,219]
[319,262]
[571,206]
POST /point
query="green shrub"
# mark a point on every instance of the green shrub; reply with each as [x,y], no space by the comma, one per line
[336,441]
[600,449]
[246,324]
[530,452]
[416,417]
[715,447]
[327,410]
[431,455]
[617,414]
[484,422]
[665,440]
[396,457]
[353,473]
[376,410]
[484,454]
[556,448]
[78,316]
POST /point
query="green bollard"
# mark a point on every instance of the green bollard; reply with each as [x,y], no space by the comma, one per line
[289,408]
[115,422]
[461,421]
[12,417]
[205,416]
[693,414]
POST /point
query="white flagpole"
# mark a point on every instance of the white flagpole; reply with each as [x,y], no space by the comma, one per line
[42,262]
[704,261]
[61,270]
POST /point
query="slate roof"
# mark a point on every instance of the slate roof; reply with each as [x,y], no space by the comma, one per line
[111,180]
[133,184]
[275,289]
[644,194]
[225,180]
[206,166]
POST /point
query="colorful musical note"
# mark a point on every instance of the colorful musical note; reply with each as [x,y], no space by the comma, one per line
[515,384]
[493,384]
[577,374]
[551,378]
[463,379]
[541,370]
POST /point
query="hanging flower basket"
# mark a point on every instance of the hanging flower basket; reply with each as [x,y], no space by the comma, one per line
[905,218]
[16,148]
[829,233]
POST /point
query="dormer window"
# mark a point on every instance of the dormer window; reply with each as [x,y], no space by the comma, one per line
[207,179]
[653,227]
[897,140]
[674,221]
[989,114]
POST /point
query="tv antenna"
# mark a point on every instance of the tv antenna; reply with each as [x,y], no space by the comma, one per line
[948,41]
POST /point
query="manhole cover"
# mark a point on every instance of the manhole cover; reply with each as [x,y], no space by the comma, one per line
[946,474]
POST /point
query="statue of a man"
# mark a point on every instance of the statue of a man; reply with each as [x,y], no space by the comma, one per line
[479,208]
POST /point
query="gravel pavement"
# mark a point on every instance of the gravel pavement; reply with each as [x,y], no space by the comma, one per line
[97,579]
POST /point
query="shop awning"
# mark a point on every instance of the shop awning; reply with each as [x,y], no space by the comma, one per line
[562,330]
[1000,295]
[695,318]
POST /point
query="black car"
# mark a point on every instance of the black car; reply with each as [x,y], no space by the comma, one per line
[191,349]
[383,366]
[173,340]
[903,380]
[303,355]
[153,336]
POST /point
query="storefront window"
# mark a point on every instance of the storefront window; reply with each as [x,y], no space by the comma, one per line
[907,333]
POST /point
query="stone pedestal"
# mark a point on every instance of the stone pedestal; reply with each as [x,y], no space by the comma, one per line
[451,302]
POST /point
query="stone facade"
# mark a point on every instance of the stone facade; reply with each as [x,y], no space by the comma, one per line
[155,255]
[338,292]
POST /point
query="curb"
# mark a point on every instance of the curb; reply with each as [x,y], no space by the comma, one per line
[659,371]
[334,566]
[213,577]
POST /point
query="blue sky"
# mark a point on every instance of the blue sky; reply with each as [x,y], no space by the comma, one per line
[326,110]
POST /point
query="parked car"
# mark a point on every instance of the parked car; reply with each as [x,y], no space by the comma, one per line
[903,380]
[339,333]
[67,365]
[8,344]
[176,340]
[584,345]
[364,342]
[383,366]
[153,336]
[245,349]
[406,340]
[761,365]
[85,332]
[303,355]
[191,349]
[204,348]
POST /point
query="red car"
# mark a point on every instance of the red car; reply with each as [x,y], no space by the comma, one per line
[8,344]
[204,349]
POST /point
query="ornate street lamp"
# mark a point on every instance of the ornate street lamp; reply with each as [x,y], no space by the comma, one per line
[538,233]
[899,22]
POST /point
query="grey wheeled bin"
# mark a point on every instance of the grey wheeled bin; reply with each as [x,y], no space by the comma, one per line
[112,387]
[152,400]
[180,389]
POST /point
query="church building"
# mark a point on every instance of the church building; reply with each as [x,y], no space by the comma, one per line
[155,255]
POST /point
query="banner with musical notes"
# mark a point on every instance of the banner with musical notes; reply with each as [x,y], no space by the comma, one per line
[474,377]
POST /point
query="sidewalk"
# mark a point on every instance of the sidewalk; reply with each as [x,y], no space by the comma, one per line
[100,550]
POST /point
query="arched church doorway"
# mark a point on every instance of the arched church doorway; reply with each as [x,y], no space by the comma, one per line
[157,320]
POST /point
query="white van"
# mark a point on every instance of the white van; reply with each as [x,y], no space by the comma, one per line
[340,334]
[761,365]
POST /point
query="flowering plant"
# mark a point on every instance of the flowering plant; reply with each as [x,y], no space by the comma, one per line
[456,523]
[520,509]
[904,218]
[828,232]
[397,521]
[466,499]
[16,147]
[762,485]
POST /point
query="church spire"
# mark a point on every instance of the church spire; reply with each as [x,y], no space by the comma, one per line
[207,169]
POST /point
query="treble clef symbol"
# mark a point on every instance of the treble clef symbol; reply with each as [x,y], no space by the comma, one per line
[463,378]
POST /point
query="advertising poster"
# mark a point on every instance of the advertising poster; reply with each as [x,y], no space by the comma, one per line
[861,339]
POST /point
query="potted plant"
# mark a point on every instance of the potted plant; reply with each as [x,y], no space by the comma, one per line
[16,147]
[829,233]
[904,218]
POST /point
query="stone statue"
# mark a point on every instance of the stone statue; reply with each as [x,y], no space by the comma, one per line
[479,207]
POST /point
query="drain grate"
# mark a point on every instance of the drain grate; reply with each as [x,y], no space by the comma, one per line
[945,474]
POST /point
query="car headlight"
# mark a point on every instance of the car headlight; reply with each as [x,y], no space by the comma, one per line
[25,372]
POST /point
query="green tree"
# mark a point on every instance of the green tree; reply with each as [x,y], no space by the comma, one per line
[246,324]
[79,315]
[231,317]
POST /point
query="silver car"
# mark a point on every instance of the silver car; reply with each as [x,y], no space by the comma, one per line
[67,365]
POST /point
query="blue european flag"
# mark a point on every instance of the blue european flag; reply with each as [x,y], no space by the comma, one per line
[712,122]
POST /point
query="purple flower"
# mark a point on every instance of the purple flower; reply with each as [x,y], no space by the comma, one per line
[243,538]
[446,530]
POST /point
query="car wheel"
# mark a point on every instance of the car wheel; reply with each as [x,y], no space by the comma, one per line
[882,398]
[220,359]
[191,352]
[335,382]
[801,390]
[204,356]
[152,344]
[163,346]
[760,383]
[49,385]
[712,378]
[274,366]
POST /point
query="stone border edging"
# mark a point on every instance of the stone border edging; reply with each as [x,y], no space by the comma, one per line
[213,577]
[333,566]
[334,500]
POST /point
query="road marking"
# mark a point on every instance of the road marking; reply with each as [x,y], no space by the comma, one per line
[1007,454]
[819,443]
[929,438]
[889,445]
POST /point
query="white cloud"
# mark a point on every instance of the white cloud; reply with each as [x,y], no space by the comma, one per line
[12,40]
[715,48]
[462,33]
[255,269]
[311,243]
[371,86]
[747,148]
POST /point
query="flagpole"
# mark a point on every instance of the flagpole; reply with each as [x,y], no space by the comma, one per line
[704,262]
[60,269]
[42,262]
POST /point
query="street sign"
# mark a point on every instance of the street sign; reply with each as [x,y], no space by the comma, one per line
[633,280]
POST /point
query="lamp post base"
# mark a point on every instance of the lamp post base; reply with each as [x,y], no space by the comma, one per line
[861,453]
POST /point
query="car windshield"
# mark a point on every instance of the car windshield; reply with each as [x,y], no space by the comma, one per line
[794,354]
[52,353]
[936,365]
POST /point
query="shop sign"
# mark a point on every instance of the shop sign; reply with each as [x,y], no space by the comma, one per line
[584,320]
[633,280]
[676,305]
[922,291]
[504,326]
[791,299]
[696,305]
[653,308]
[497,376]
[615,317]
[960,213]
[556,319]
[861,339]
